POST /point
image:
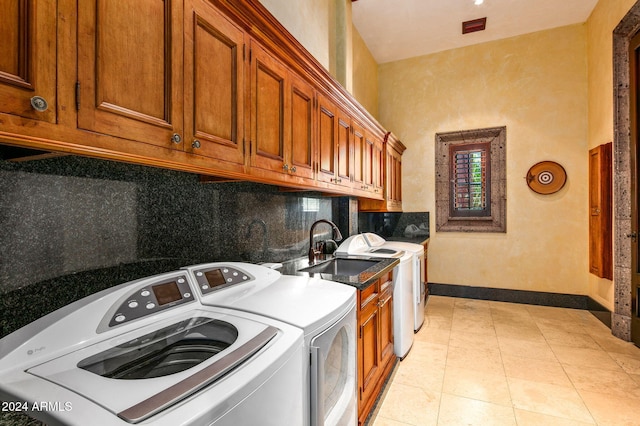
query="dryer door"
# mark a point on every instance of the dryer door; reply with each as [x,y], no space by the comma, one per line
[333,374]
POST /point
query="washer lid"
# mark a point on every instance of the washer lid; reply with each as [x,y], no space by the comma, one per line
[137,399]
[309,303]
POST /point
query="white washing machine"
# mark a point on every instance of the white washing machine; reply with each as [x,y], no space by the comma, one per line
[419,284]
[324,310]
[148,352]
[403,300]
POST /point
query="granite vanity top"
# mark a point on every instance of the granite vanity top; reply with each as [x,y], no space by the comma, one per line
[360,281]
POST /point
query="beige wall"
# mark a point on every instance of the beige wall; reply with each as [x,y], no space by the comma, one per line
[600,25]
[311,22]
[536,86]
[325,29]
[365,75]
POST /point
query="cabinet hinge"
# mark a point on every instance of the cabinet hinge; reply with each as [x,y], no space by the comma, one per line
[250,51]
[244,54]
[77,96]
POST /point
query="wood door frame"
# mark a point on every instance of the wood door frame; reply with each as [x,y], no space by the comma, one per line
[622,272]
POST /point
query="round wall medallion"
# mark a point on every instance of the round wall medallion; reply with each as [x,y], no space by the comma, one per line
[546,177]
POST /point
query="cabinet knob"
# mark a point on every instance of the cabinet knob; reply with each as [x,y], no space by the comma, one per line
[176,138]
[285,167]
[293,169]
[196,144]
[39,103]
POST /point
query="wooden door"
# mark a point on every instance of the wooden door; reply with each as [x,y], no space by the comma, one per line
[344,153]
[600,208]
[28,58]
[302,123]
[130,69]
[268,110]
[213,84]
[327,139]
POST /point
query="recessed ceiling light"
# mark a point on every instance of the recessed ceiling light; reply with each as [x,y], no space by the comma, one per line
[478,2]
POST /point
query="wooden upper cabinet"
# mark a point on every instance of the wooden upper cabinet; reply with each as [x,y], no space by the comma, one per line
[28,58]
[358,158]
[600,209]
[130,69]
[327,139]
[301,150]
[344,156]
[214,81]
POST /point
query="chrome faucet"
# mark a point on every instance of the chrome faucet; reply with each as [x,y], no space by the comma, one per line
[313,252]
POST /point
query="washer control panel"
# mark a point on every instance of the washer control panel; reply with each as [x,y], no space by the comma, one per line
[151,298]
[213,279]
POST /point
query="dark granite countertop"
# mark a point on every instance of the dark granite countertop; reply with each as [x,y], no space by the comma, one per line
[360,281]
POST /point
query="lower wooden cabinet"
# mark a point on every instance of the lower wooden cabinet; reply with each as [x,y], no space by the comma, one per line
[600,212]
[375,342]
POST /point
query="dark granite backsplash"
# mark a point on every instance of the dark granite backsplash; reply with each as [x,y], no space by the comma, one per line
[389,225]
[71,226]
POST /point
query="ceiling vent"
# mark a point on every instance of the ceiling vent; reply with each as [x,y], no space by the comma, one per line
[474,25]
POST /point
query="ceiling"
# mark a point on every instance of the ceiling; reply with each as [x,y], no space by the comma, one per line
[399,29]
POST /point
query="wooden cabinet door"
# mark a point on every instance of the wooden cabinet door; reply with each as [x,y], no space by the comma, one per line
[28,57]
[213,84]
[358,160]
[268,110]
[327,139]
[394,177]
[378,166]
[369,350]
[386,322]
[344,157]
[130,69]
[302,124]
[367,163]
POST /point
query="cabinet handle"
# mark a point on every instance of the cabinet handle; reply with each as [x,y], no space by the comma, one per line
[196,144]
[285,167]
[176,138]
[39,103]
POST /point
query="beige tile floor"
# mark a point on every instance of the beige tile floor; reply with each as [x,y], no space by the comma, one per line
[478,362]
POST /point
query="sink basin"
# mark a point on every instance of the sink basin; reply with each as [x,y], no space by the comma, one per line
[346,267]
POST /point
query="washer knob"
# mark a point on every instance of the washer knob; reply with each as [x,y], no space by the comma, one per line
[120,318]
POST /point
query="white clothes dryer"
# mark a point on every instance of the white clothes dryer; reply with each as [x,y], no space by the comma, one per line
[148,352]
[403,300]
[324,310]
[419,284]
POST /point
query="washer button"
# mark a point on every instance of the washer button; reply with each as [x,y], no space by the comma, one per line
[199,273]
[120,318]
[180,280]
[133,304]
[187,295]
[225,270]
[151,305]
[145,293]
[244,277]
